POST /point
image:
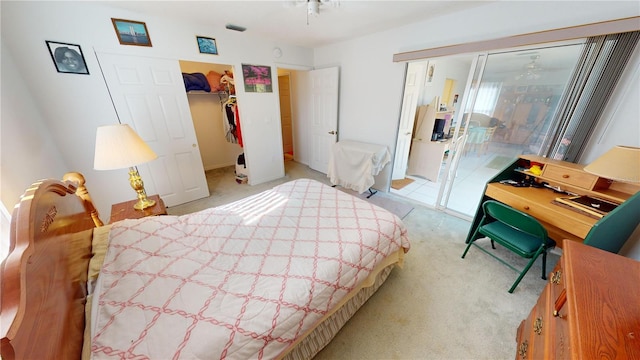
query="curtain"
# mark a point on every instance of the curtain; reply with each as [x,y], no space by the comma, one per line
[601,64]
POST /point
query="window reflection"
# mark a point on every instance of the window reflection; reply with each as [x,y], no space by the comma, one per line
[520,91]
[507,109]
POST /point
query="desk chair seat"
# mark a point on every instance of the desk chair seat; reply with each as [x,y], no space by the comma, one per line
[518,232]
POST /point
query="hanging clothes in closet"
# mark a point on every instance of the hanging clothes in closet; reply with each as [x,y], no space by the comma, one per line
[231,120]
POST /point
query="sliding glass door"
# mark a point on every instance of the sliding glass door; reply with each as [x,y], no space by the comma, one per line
[543,100]
[509,108]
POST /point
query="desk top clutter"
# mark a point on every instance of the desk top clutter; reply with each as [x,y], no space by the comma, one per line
[353,164]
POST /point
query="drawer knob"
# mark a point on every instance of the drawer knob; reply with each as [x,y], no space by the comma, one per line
[526,207]
[537,326]
[556,277]
[565,176]
[522,349]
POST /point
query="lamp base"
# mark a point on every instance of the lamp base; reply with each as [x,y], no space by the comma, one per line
[144,203]
[138,186]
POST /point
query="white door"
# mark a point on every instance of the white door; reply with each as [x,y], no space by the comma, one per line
[149,95]
[413,84]
[324,119]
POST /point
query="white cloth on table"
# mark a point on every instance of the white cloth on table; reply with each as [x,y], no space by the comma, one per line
[353,164]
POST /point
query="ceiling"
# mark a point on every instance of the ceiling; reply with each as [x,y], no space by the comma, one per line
[286,21]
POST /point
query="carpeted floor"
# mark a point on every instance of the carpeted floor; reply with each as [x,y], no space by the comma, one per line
[438,306]
[384,200]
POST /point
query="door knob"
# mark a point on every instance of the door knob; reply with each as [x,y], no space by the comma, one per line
[332,132]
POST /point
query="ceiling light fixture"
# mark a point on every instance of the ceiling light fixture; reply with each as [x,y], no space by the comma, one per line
[313,7]
[531,70]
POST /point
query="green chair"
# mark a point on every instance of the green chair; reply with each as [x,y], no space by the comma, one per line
[518,232]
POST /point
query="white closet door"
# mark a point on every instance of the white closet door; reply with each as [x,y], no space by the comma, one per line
[149,95]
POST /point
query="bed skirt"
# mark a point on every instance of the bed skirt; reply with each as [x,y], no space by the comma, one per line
[327,329]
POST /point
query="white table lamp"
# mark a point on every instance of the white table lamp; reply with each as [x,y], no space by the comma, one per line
[621,163]
[118,147]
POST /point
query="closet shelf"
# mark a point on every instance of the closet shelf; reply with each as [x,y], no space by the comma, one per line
[201,92]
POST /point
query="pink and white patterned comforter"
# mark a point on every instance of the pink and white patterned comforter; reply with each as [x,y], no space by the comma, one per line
[239,281]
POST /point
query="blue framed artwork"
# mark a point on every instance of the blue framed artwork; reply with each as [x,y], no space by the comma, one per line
[131,32]
[207,45]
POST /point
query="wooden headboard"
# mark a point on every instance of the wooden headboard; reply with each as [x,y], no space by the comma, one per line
[44,277]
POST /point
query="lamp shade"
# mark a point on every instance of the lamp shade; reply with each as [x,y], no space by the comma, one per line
[118,146]
[622,163]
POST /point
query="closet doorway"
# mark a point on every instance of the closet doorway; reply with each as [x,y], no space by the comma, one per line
[210,117]
[286,118]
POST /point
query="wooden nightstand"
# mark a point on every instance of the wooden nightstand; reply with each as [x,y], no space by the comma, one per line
[125,210]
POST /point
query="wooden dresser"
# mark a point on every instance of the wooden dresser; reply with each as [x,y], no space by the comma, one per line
[596,298]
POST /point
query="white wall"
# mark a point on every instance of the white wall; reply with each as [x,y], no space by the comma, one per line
[73,106]
[371,83]
[27,153]
[455,68]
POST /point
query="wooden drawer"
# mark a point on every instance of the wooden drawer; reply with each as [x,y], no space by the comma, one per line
[525,333]
[561,341]
[540,327]
[571,177]
[524,339]
[556,281]
[558,325]
[535,334]
[519,200]
[561,223]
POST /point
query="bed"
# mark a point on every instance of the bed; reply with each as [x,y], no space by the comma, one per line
[274,275]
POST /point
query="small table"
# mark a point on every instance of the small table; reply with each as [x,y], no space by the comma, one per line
[125,210]
[353,164]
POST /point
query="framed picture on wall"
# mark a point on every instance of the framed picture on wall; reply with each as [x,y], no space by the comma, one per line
[207,45]
[68,58]
[257,78]
[431,69]
[131,32]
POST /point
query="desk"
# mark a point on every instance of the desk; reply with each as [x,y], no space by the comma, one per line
[560,222]
[563,223]
[353,164]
